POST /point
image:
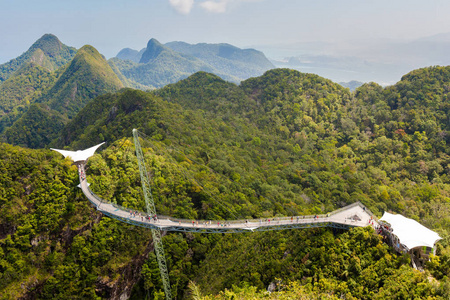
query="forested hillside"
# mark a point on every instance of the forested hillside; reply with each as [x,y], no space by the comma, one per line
[299,132]
[53,245]
[87,76]
[37,127]
[47,52]
[22,89]
[282,144]
[28,77]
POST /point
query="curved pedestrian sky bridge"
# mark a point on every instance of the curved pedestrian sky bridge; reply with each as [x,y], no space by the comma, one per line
[354,215]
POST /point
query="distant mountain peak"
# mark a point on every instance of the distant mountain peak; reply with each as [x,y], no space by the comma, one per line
[154,48]
[87,76]
[47,51]
[130,54]
[154,41]
[159,64]
[47,38]
[49,44]
[88,49]
[352,85]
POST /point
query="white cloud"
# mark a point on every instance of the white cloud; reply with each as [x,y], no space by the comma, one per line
[221,6]
[215,7]
[182,6]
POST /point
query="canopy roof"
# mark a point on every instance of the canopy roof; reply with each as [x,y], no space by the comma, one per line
[79,155]
[410,233]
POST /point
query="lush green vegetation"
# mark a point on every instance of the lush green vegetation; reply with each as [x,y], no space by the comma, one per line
[312,264]
[36,128]
[48,52]
[285,143]
[51,240]
[22,89]
[87,76]
[60,95]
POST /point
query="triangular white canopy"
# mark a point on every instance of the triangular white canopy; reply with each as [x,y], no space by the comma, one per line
[79,155]
[410,233]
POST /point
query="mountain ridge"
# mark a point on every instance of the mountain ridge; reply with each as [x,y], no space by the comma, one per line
[47,51]
[153,49]
[160,64]
[73,90]
[130,54]
[87,76]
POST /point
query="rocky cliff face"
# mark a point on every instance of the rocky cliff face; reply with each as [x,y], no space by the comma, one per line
[121,289]
[115,287]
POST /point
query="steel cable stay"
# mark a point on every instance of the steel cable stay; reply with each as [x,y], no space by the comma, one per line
[150,204]
[150,207]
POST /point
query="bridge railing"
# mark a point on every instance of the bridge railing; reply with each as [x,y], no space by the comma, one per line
[273,220]
[265,221]
[259,221]
[334,212]
[115,205]
[195,222]
[97,197]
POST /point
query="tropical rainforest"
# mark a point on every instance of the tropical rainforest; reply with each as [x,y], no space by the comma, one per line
[282,144]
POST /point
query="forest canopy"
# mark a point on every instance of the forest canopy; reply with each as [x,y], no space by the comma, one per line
[282,144]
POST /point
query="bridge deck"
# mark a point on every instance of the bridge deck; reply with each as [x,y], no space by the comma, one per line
[354,215]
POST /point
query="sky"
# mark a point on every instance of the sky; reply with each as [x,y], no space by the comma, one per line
[111,25]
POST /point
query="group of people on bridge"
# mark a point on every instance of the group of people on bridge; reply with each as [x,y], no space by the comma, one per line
[134,214]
